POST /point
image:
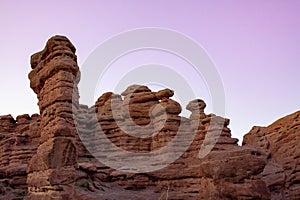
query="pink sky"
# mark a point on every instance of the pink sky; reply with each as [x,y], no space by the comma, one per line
[255,46]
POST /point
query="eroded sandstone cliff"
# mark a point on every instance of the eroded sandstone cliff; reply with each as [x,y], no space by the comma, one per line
[61,153]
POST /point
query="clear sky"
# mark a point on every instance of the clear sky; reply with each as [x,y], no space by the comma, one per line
[255,46]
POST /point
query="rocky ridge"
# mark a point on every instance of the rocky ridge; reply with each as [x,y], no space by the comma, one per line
[43,157]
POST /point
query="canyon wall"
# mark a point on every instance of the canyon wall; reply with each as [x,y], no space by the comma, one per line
[66,151]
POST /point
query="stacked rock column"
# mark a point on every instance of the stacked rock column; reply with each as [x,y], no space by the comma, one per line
[107,120]
[166,119]
[197,116]
[210,129]
[51,172]
[135,109]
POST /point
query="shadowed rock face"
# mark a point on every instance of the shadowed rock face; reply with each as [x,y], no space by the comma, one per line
[282,141]
[43,157]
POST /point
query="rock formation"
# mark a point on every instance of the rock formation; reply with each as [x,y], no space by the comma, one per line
[281,140]
[58,153]
[18,143]
[52,170]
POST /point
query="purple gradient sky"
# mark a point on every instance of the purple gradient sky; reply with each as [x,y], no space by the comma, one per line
[254,44]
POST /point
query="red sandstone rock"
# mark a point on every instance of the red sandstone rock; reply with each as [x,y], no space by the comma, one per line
[164,94]
[282,140]
[54,78]
[43,155]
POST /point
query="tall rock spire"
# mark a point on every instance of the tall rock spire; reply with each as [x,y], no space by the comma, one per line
[54,78]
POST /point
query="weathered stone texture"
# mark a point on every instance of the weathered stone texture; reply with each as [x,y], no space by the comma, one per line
[54,78]
[282,141]
[43,157]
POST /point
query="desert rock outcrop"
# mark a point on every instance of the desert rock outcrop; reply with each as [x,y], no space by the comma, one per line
[60,153]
